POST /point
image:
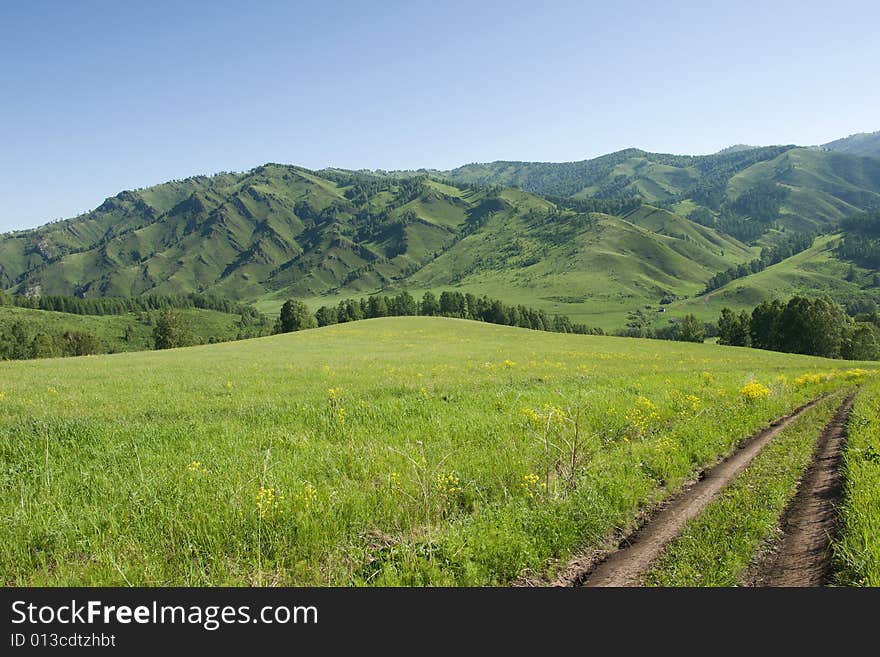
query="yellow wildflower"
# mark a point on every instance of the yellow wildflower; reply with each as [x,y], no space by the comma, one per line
[805,379]
[642,416]
[753,391]
[448,485]
[532,484]
[267,501]
[307,497]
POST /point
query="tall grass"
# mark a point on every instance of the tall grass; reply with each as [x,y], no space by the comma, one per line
[857,548]
[405,451]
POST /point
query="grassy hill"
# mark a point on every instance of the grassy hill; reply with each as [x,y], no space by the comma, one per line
[127,332]
[813,272]
[393,451]
[593,272]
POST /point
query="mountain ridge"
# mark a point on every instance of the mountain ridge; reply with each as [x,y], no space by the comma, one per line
[613,232]
[860,143]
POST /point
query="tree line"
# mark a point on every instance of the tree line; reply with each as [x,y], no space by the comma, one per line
[123,305]
[861,241]
[687,329]
[24,339]
[18,343]
[817,327]
[295,315]
[615,206]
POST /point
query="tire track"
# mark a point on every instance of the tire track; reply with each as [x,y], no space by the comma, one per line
[626,565]
[809,522]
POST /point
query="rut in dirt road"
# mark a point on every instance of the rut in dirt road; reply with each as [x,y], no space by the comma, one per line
[627,565]
[810,520]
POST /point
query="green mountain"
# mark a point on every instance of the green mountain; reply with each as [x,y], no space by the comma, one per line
[595,240]
[281,231]
[742,192]
[241,236]
[863,143]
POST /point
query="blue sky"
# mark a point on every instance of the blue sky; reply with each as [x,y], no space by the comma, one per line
[98,97]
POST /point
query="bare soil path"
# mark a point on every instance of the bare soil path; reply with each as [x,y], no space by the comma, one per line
[803,557]
[626,565]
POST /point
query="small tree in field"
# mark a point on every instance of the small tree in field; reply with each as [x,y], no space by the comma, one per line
[691,330]
[171,330]
[294,316]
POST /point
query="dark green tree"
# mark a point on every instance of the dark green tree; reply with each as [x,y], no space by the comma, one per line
[429,305]
[77,343]
[377,306]
[862,344]
[16,342]
[171,330]
[690,329]
[733,329]
[764,325]
[43,346]
[404,305]
[294,316]
[326,316]
[813,326]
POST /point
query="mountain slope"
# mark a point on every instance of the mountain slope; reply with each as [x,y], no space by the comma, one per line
[244,235]
[592,267]
[815,271]
[653,176]
[743,192]
[820,187]
[863,143]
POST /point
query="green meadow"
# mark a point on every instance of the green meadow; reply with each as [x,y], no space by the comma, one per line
[857,551]
[398,451]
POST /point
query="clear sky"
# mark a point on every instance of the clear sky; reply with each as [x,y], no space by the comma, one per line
[97,97]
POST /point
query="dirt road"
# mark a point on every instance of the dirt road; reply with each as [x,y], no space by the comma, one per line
[626,565]
[810,520]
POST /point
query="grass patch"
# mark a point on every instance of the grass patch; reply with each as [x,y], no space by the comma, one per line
[857,548]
